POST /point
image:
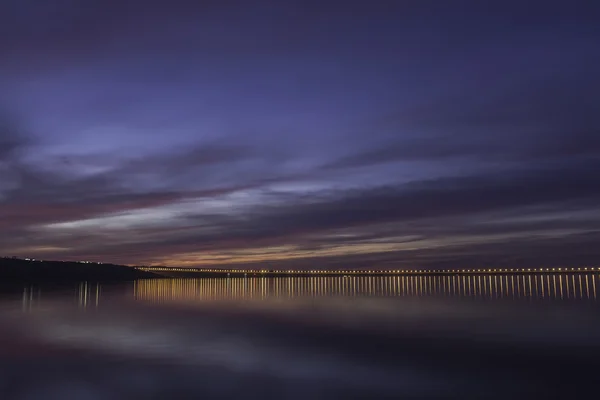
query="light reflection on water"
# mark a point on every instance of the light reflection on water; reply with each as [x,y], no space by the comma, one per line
[552,288]
[438,336]
[518,287]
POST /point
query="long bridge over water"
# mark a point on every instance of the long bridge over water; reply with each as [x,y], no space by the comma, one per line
[359,272]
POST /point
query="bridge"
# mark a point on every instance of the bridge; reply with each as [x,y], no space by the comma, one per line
[270,272]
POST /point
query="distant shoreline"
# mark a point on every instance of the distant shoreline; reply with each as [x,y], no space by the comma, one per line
[16,270]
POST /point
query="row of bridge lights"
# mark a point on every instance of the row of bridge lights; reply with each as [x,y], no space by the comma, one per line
[428,271]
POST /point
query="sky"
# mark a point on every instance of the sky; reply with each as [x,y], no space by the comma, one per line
[301,134]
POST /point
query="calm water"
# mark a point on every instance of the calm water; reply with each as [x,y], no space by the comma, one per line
[552,289]
[478,336]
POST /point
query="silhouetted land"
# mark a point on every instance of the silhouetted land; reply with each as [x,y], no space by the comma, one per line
[19,270]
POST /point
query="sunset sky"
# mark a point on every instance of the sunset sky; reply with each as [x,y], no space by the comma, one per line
[304,134]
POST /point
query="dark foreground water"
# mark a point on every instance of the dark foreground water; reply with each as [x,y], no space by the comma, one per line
[481,336]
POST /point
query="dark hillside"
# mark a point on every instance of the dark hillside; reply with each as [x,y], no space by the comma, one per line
[19,270]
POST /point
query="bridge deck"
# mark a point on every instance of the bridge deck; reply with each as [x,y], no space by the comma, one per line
[243,272]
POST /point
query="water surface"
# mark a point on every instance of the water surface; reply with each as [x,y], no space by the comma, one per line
[452,336]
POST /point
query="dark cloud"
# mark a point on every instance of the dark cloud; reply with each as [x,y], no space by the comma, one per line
[40,194]
[39,29]
[451,196]
[13,139]
[534,253]
[531,118]
[500,207]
